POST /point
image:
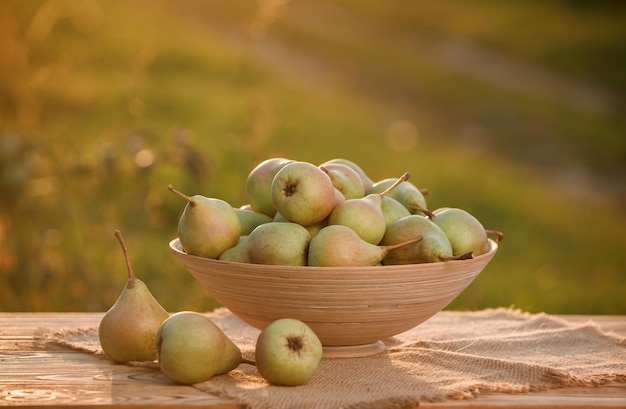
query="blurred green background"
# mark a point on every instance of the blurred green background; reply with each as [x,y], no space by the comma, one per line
[512,110]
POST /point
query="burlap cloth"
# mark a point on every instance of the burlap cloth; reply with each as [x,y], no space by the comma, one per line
[454,355]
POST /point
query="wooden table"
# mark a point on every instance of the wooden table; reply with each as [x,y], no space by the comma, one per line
[36,374]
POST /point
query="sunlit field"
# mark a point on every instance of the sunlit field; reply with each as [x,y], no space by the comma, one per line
[512,111]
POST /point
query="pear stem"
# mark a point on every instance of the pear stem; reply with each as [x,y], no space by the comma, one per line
[414,206]
[180,194]
[466,256]
[131,274]
[404,243]
[499,235]
[395,184]
[427,212]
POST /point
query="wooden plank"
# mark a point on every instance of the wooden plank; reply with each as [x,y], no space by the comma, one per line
[75,378]
[34,374]
[609,396]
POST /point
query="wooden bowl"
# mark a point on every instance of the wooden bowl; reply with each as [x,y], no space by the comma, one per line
[350,309]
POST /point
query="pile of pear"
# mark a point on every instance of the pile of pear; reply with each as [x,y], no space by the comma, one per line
[328,215]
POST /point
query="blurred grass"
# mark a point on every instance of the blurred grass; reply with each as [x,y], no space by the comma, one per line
[110,102]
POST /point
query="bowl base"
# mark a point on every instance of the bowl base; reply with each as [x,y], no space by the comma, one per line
[353,351]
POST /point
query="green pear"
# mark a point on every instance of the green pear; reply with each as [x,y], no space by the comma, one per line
[393,210]
[345,179]
[465,232]
[367,182]
[192,348]
[303,193]
[208,226]
[287,352]
[279,243]
[250,219]
[434,246]
[237,253]
[364,215]
[340,246]
[406,193]
[259,185]
[128,329]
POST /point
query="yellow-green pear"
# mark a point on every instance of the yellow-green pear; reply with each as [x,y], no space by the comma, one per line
[339,246]
[250,219]
[279,243]
[345,179]
[465,232]
[128,329]
[434,247]
[407,194]
[367,182]
[208,226]
[364,215]
[287,352]
[237,253]
[259,185]
[303,193]
[192,348]
[393,210]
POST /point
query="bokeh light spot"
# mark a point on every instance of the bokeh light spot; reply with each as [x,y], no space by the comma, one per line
[402,136]
[144,158]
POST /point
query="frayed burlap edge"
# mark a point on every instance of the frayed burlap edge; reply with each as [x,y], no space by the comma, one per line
[83,339]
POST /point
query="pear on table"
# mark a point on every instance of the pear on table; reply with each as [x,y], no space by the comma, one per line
[287,352]
[128,329]
[192,348]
